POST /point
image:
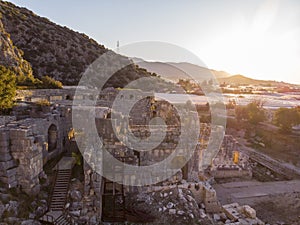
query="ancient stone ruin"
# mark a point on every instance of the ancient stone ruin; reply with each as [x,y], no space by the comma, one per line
[38,134]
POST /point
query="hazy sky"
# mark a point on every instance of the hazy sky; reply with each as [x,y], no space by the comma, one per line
[257,38]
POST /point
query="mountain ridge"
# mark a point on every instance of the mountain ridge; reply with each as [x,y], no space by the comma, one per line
[57,51]
[35,46]
[175,71]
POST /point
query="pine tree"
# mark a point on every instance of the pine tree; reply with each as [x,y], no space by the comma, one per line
[7,89]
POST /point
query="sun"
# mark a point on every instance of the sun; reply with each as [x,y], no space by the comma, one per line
[251,47]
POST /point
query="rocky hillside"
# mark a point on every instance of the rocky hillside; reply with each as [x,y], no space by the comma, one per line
[11,56]
[51,49]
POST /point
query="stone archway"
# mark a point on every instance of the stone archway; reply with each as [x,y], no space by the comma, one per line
[52,138]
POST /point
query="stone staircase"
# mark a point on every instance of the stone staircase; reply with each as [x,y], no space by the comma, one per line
[60,190]
[56,214]
[56,218]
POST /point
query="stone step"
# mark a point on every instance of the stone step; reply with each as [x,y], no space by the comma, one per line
[62,220]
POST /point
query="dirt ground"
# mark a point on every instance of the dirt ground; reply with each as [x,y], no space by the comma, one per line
[285,148]
[279,209]
[282,147]
[275,202]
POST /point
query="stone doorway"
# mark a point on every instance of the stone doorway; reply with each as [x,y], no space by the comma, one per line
[52,138]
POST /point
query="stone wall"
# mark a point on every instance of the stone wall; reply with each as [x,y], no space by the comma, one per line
[24,147]
[28,153]
[8,170]
[48,94]
[6,119]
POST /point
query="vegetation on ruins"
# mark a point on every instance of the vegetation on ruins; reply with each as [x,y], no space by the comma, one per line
[43,102]
[286,118]
[7,89]
[48,82]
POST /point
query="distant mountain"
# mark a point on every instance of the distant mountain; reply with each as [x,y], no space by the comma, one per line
[51,49]
[175,71]
[34,46]
[243,80]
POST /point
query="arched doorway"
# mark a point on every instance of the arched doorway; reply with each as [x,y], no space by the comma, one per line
[52,138]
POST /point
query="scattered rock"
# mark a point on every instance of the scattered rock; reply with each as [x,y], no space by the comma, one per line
[12,220]
[12,207]
[76,195]
[170,205]
[216,217]
[172,211]
[190,198]
[249,211]
[93,220]
[75,213]
[180,212]
[4,197]
[2,209]
[41,210]
[30,222]
[32,216]
[76,205]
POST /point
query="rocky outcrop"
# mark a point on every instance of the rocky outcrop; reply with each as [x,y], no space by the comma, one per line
[11,56]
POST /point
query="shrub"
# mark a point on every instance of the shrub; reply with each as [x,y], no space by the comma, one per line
[43,102]
[7,89]
[286,118]
[48,82]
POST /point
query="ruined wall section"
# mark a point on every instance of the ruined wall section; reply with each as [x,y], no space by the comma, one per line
[27,151]
[8,165]
[45,94]
[24,148]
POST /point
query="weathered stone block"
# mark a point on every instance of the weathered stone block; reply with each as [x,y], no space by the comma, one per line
[8,180]
[7,165]
[4,135]
[250,212]
[4,144]
[4,148]
[5,157]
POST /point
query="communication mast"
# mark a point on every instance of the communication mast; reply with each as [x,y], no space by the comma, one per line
[118,46]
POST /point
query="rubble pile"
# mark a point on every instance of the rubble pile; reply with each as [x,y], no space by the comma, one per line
[80,208]
[169,206]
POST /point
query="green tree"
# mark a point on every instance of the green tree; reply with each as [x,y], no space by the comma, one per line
[7,89]
[241,113]
[253,112]
[285,118]
[256,112]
